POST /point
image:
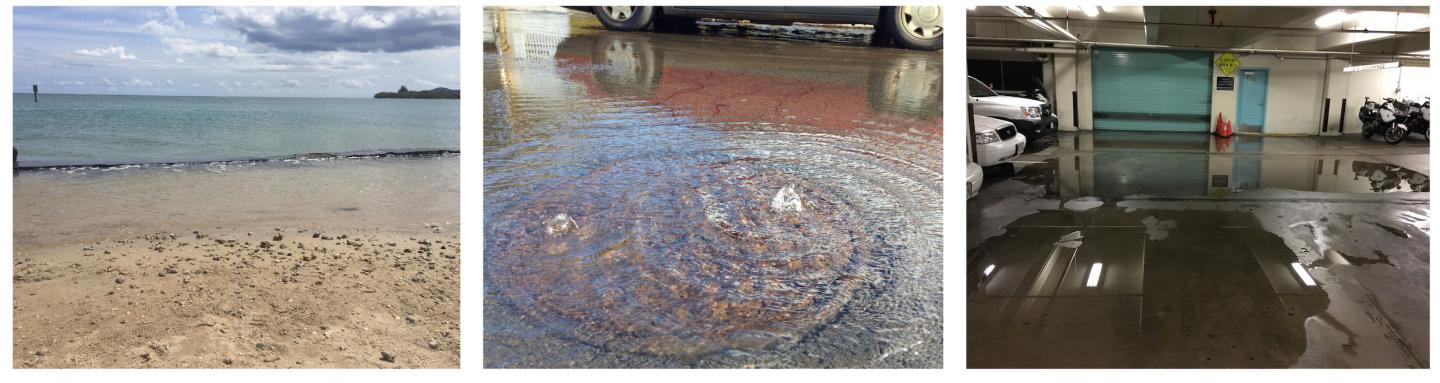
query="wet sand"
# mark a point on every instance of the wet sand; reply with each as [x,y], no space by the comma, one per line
[343,264]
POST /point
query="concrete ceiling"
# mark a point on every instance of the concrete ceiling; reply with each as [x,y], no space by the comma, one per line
[1231,27]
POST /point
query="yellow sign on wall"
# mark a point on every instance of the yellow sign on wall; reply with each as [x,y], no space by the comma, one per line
[1227,63]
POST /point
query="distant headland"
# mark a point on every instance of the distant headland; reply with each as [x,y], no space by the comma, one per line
[433,93]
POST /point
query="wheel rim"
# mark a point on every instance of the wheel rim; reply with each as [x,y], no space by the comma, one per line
[927,22]
[1394,134]
[624,59]
[619,13]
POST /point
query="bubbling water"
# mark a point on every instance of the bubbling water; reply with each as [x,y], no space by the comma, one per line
[754,238]
[685,262]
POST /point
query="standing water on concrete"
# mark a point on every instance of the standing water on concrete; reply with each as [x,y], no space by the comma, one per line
[662,200]
[1131,250]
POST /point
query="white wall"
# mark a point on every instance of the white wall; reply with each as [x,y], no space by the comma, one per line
[1293,98]
[1083,75]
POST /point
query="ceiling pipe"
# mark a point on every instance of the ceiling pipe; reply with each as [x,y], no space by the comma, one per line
[1206,49]
[1160,23]
[1063,51]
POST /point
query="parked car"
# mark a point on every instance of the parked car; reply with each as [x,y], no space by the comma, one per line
[1033,118]
[996,141]
[911,27]
[974,177]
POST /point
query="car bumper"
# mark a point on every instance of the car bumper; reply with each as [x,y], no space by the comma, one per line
[1036,127]
[974,177]
[996,153]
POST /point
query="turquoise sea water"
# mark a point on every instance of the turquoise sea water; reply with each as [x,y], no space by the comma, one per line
[66,129]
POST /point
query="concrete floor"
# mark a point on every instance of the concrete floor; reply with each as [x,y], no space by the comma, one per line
[1204,247]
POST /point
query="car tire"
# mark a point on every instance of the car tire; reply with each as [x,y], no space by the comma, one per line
[920,28]
[625,19]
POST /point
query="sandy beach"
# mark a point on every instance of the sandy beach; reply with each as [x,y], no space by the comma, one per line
[331,264]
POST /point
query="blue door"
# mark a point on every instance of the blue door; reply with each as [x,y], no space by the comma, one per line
[1251,107]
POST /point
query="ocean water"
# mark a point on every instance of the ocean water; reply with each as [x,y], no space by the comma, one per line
[71,130]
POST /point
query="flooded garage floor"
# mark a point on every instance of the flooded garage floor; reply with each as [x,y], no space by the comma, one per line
[1137,250]
[736,197]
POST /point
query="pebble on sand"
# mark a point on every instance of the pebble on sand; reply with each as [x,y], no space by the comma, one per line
[388,357]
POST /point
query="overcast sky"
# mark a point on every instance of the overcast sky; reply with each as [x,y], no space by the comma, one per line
[236,51]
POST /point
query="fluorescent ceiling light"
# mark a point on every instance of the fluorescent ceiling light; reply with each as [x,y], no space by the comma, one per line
[1109,8]
[1359,68]
[1331,19]
[1095,275]
[1039,24]
[989,269]
[970,7]
[1304,276]
[1090,10]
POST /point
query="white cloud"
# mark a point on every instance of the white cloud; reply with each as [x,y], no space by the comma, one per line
[292,83]
[136,83]
[356,83]
[169,82]
[168,25]
[209,49]
[355,29]
[70,83]
[111,52]
[106,81]
[179,60]
[424,83]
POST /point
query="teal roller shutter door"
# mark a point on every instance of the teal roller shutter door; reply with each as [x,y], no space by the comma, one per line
[1152,90]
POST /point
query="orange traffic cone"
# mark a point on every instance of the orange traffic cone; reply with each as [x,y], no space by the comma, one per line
[1219,124]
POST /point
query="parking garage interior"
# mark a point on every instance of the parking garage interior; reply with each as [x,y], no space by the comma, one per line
[1206,197]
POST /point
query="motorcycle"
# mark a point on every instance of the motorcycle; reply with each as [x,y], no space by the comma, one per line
[1394,120]
[1369,118]
[1419,120]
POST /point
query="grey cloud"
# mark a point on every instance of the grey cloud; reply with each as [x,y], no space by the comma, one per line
[357,29]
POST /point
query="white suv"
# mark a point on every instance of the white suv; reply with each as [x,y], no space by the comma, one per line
[1032,118]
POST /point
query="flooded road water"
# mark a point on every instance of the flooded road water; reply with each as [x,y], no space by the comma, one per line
[714,200]
[1173,251]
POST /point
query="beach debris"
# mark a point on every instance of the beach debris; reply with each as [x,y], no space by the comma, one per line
[387,356]
[419,278]
[262,347]
[434,345]
[278,237]
[787,201]
[119,280]
[264,244]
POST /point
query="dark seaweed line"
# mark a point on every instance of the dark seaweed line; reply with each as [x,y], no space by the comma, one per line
[348,155]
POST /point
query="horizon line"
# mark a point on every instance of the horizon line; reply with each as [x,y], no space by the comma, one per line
[177,95]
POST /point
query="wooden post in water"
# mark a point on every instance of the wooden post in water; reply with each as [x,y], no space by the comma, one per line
[36,88]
